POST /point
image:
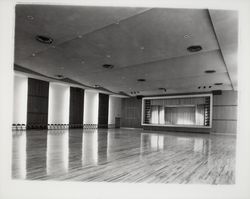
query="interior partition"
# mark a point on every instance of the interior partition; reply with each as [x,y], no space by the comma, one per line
[103,110]
[37,109]
[76,107]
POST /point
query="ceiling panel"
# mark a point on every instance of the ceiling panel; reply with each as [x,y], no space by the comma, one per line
[139,42]
[165,69]
[62,23]
[226,28]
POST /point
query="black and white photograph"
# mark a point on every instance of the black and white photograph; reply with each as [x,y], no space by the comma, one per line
[122,96]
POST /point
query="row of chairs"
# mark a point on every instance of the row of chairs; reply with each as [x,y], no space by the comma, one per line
[58,126]
[90,126]
[18,127]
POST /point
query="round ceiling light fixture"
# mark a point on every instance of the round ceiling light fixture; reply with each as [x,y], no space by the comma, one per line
[59,76]
[193,49]
[141,80]
[30,17]
[44,39]
[210,71]
[186,36]
[218,84]
[108,66]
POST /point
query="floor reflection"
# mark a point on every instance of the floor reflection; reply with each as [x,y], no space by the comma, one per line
[57,152]
[123,155]
[19,156]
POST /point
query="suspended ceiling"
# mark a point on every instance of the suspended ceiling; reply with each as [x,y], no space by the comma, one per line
[141,43]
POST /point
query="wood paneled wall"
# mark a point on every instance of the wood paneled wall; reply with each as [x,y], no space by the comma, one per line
[103,110]
[76,106]
[37,109]
[131,112]
[225,113]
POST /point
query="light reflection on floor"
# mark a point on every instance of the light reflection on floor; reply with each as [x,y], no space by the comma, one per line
[123,155]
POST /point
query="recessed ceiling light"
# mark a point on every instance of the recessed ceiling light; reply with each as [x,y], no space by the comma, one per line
[59,76]
[204,86]
[210,71]
[163,89]
[194,48]
[33,54]
[218,84]
[30,17]
[53,46]
[199,87]
[79,36]
[142,47]
[108,56]
[82,61]
[108,66]
[141,80]
[210,86]
[186,36]
[44,39]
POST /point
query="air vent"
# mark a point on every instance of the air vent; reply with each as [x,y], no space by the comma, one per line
[218,84]
[44,39]
[141,80]
[194,48]
[108,66]
[210,71]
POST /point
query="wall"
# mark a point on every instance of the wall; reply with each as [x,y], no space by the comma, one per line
[76,106]
[114,109]
[91,101]
[37,108]
[225,113]
[103,110]
[20,100]
[131,112]
[58,103]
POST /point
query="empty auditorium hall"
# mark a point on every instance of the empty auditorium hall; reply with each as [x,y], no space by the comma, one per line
[125,94]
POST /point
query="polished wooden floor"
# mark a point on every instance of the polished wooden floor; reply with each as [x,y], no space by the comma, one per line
[122,155]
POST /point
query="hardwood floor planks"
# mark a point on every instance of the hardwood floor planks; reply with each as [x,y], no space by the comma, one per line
[122,155]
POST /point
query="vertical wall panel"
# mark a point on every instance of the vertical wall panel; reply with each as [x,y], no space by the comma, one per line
[131,112]
[37,110]
[114,110]
[58,104]
[76,106]
[91,103]
[20,100]
[225,113]
[103,110]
